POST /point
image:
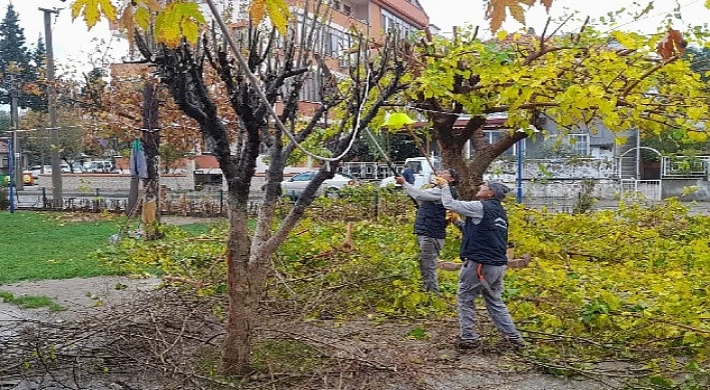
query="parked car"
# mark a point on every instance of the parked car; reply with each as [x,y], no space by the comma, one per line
[37,169]
[294,186]
[98,166]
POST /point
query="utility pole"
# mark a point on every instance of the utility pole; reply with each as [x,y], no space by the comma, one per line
[52,106]
[15,125]
[11,170]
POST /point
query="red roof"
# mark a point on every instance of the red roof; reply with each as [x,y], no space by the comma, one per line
[206,161]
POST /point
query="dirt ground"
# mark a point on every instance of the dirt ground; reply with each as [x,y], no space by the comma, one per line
[404,363]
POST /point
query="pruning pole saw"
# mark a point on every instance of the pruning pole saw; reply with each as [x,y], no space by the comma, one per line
[390,165]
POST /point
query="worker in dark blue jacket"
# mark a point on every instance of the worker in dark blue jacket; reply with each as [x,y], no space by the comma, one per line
[430,225]
[484,254]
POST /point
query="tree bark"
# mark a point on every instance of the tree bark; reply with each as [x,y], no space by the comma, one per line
[246,280]
[151,142]
[453,141]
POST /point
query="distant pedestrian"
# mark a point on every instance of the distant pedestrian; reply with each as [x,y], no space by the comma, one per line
[430,225]
[484,254]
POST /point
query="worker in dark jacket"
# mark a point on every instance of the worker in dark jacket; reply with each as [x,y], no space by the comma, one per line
[483,252]
[430,224]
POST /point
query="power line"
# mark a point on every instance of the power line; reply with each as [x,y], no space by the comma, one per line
[38,129]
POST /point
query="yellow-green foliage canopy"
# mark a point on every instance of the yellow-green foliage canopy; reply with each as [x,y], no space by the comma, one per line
[575,79]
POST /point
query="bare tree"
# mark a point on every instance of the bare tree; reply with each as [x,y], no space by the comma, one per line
[214,89]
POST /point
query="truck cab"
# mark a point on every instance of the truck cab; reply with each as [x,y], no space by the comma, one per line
[421,168]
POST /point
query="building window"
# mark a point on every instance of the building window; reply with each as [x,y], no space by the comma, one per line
[579,143]
[390,23]
[310,92]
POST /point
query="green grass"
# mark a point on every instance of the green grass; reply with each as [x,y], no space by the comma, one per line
[38,246]
[196,229]
[30,302]
[35,246]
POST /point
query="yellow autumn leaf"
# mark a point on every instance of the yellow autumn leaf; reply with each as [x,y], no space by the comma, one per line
[179,20]
[695,113]
[257,11]
[142,18]
[279,14]
[697,136]
[152,5]
[107,9]
[90,10]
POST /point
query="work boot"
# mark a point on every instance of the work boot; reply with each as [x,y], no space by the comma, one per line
[516,344]
[468,343]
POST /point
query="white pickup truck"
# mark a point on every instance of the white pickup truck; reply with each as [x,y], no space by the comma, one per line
[421,168]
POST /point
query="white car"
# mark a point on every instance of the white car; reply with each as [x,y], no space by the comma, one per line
[37,169]
[294,186]
[420,168]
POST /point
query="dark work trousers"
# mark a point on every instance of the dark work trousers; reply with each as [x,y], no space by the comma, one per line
[470,286]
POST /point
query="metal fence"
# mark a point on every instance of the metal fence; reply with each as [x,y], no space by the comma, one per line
[644,189]
[182,203]
[685,166]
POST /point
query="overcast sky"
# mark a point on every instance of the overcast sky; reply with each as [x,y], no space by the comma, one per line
[74,46]
[448,13]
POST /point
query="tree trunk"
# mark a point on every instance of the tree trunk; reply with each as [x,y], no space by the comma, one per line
[151,142]
[452,148]
[246,281]
[453,142]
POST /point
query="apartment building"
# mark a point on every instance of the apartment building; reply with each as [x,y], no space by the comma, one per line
[373,18]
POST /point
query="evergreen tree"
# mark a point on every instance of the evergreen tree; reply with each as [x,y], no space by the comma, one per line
[35,87]
[16,68]
[40,54]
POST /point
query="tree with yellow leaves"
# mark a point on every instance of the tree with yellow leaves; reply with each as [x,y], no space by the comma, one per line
[621,81]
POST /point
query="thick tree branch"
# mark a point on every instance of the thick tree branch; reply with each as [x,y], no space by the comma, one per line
[648,73]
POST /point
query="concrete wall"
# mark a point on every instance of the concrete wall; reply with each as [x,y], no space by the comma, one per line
[579,168]
[676,187]
[112,182]
[564,189]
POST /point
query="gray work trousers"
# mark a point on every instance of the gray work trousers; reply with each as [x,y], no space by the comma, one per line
[429,249]
[470,287]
